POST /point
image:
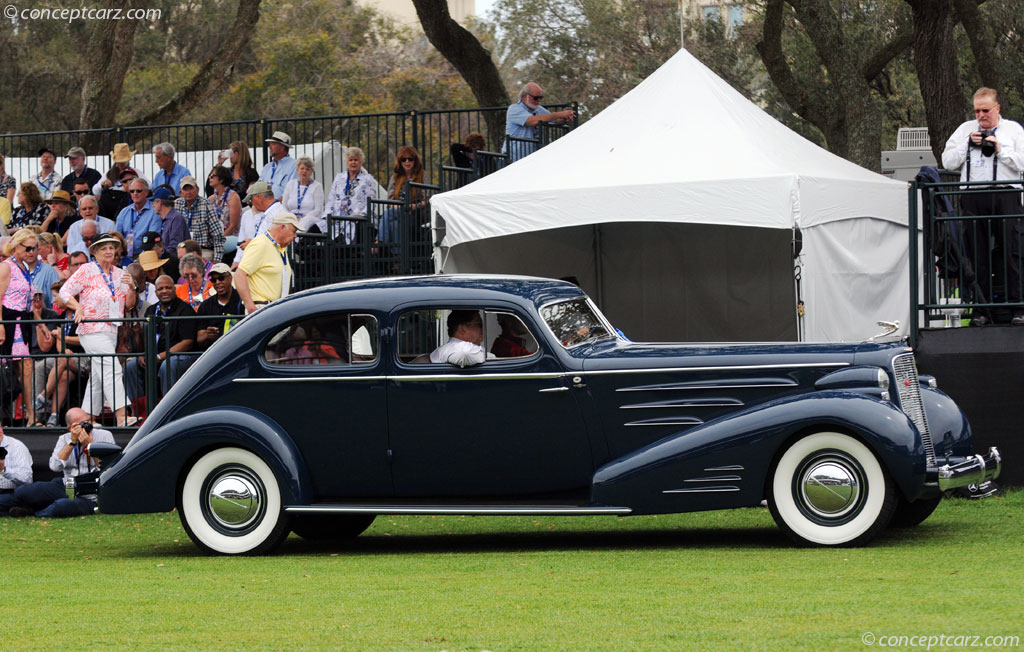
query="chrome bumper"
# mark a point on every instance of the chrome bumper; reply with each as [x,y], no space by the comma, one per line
[975,469]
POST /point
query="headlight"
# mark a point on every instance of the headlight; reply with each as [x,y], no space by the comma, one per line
[883,379]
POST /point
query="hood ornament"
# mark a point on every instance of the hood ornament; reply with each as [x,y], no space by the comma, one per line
[889,326]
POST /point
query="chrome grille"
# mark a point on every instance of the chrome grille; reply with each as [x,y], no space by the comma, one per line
[909,389]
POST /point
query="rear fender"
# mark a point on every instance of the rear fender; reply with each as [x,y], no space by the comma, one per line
[145,477]
[725,463]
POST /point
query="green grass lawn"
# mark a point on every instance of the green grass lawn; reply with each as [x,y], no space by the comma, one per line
[709,581]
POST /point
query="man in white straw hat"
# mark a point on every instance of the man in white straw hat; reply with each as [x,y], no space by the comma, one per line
[281,168]
[119,160]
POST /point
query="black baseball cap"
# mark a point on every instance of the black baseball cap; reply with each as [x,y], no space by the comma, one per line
[44,150]
[150,239]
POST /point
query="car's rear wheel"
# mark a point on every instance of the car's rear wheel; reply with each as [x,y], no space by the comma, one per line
[330,527]
[909,514]
[230,504]
[828,489]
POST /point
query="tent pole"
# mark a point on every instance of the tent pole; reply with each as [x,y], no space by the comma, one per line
[598,271]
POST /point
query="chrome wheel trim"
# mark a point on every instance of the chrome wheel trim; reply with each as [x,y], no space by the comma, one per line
[830,487]
[234,499]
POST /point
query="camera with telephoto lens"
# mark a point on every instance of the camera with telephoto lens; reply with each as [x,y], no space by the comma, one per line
[86,426]
[988,148]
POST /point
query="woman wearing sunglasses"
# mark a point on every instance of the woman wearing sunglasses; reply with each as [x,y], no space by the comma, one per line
[408,169]
[16,275]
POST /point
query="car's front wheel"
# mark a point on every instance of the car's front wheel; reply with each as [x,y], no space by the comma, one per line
[909,514]
[230,504]
[829,489]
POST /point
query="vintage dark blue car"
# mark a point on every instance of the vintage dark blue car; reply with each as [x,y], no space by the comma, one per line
[324,410]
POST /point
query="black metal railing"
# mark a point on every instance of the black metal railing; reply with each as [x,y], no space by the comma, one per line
[970,253]
[68,372]
[323,138]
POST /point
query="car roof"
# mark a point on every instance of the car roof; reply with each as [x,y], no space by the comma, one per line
[396,290]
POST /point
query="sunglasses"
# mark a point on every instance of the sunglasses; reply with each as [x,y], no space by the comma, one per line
[137,191]
[28,248]
[537,97]
[81,192]
[407,159]
[219,277]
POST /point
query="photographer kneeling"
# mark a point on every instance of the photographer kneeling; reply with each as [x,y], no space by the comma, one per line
[48,499]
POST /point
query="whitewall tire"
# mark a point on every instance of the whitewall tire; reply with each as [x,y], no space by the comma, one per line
[829,489]
[230,503]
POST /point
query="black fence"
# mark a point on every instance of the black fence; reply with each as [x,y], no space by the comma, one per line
[37,389]
[380,135]
[971,254]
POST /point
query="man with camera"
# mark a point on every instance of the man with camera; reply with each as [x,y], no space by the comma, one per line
[991,148]
[47,499]
[15,469]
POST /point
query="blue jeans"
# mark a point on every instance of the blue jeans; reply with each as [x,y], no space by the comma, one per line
[48,500]
[169,372]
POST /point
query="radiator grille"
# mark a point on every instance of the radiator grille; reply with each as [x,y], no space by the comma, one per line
[909,389]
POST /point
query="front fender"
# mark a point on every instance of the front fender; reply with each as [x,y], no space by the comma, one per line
[948,425]
[145,476]
[725,463]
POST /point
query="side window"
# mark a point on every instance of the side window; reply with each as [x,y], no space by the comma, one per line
[333,339]
[497,334]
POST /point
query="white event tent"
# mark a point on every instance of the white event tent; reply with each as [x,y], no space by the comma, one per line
[676,208]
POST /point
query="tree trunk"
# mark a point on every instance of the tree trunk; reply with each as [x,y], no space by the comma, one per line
[215,74]
[937,69]
[469,57]
[848,116]
[982,39]
[108,54]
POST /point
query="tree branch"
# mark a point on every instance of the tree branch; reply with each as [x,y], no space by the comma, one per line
[874,66]
[982,39]
[215,74]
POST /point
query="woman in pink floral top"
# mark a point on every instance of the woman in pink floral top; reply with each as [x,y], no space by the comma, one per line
[16,289]
[99,290]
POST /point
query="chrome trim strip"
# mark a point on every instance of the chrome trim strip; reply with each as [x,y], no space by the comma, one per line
[684,404]
[437,377]
[478,510]
[730,467]
[690,422]
[716,478]
[423,378]
[702,490]
[549,390]
[801,365]
[666,388]
[307,379]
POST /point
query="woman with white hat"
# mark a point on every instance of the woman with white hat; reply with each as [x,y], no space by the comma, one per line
[100,291]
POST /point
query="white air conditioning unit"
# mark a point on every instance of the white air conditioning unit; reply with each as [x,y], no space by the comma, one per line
[909,138]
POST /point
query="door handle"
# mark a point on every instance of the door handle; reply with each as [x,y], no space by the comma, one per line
[554,389]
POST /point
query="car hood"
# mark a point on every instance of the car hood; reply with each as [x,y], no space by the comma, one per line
[639,355]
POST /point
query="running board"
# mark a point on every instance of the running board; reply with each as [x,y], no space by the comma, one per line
[477,510]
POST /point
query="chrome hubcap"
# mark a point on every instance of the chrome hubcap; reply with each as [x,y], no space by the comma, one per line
[830,488]
[234,499]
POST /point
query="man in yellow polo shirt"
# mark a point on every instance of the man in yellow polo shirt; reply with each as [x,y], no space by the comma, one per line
[263,275]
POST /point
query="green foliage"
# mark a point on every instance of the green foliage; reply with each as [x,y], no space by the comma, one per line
[593,51]
[707,581]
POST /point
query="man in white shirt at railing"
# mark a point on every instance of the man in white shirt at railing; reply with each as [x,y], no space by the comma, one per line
[990,148]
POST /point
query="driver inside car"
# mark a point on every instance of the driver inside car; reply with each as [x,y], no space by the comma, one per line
[464,347]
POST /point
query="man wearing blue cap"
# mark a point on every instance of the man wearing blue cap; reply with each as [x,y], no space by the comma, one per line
[175,228]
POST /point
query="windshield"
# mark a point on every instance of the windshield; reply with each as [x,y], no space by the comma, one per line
[574,322]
